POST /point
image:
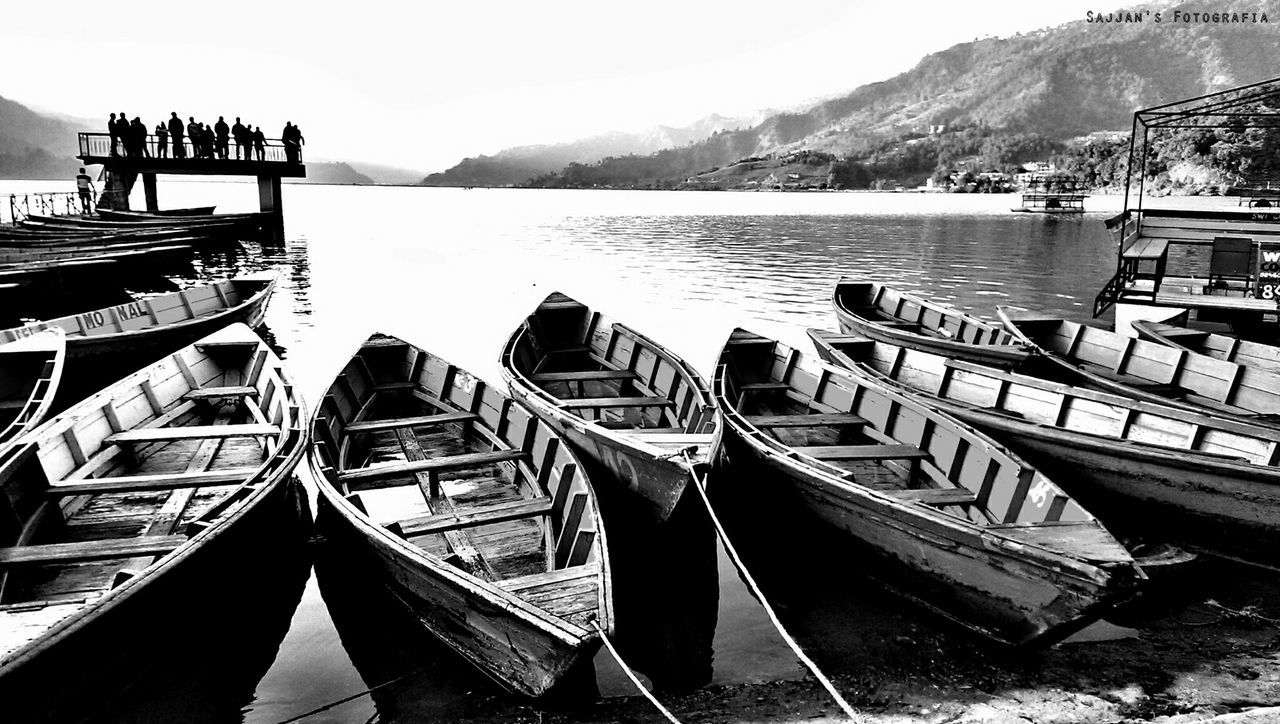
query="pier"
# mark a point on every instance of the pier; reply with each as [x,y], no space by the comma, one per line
[272,165]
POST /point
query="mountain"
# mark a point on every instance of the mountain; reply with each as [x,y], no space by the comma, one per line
[35,146]
[519,164]
[325,172]
[1053,84]
[386,174]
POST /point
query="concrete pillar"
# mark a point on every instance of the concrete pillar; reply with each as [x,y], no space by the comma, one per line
[269,201]
[149,188]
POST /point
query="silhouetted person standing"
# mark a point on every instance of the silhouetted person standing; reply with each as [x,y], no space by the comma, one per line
[221,130]
[193,132]
[175,131]
[122,131]
[138,138]
[260,143]
[84,185]
[241,136]
[162,141]
[112,129]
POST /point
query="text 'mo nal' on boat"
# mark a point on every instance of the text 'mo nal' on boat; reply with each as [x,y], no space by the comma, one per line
[149,327]
[979,535]
[30,370]
[879,311]
[1147,370]
[473,512]
[1259,356]
[1169,472]
[624,401]
[152,490]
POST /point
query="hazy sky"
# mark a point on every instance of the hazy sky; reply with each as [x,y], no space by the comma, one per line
[422,84]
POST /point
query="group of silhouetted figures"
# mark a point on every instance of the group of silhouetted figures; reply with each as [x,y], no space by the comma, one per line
[205,141]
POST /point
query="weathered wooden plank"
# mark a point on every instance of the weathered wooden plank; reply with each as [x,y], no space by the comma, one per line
[139,483]
[191,432]
[215,393]
[94,550]
[597,403]
[763,386]
[813,420]
[426,465]
[552,578]
[862,452]
[937,496]
[583,376]
[424,421]
[497,513]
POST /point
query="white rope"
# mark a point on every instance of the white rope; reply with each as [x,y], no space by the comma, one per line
[631,675]
[849,711]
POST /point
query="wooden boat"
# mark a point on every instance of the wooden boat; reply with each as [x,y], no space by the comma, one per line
[124,215]
[1173,473]
[1147,370]
[147,328]
[625,402]
[473,512]
[30,370]
[157,488]
[879,311]
[981,537]
[1255,355]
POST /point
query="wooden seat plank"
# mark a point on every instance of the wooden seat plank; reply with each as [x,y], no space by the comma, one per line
[213,393]
[936,496]
[582,376]
[563,576]
[138,483]
[761,386]
[814,420]
[398,422]
[863,452]
[440,464]
[191,432]
[92,550]
[497,513]
[597,403]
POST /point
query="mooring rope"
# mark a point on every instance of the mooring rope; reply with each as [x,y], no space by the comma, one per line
[699,483]
[632,675]
[352,697]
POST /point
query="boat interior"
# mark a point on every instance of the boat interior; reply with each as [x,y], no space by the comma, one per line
[99,494]
[881,440]
[895,309]
[27,380]
[609,374]
[438,458]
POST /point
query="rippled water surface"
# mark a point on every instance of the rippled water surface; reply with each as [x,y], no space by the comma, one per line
[456,270]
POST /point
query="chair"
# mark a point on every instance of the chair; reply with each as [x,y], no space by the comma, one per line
[1232,258]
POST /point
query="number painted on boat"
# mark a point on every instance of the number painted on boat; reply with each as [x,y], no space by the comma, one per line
[28,331]
[1040,493]
[620,466]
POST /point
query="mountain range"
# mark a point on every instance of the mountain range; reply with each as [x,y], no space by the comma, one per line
[1057,84]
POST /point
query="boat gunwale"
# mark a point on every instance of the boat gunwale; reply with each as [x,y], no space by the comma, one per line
[14,432]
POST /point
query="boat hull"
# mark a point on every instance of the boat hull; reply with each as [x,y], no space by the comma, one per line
[514,652]
[971,580]
[83,662]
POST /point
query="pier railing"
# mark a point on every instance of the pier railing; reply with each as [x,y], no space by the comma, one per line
[273,149]
[46,203]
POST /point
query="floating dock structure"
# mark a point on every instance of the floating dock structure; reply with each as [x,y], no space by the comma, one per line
[276,162]
[1201,266]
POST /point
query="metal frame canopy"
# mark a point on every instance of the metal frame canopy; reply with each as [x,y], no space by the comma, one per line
[1256,105]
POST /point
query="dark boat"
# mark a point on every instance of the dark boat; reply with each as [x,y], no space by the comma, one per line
[1145,370]
[1256,355]
[146,328]
[879,311]
[623,401]
[124,215]
[30,370]
[469,509]
[160,486]
[1168,472]
[978,535]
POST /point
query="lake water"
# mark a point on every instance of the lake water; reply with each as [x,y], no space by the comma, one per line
[455,271]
